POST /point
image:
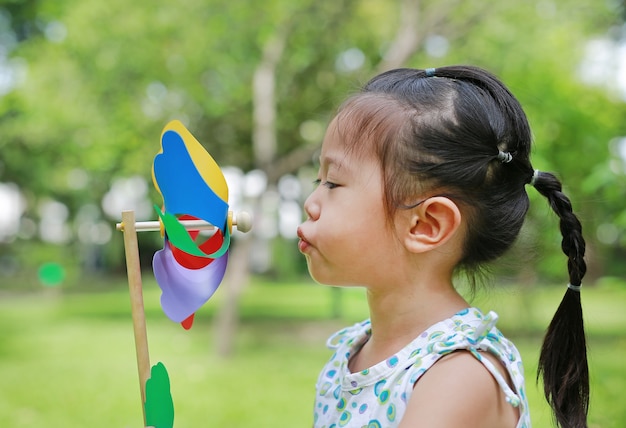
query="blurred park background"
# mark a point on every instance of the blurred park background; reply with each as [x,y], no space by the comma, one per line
[86,87]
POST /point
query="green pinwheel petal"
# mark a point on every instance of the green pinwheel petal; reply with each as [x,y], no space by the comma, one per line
[179,237]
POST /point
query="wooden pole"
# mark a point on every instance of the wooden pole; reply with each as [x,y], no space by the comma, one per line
[133,268]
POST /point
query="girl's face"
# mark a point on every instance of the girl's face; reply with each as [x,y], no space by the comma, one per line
[346,239]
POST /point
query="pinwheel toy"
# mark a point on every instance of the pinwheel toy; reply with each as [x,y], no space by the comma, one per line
[188,269]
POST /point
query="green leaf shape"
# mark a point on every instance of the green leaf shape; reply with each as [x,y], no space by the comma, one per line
[159,406]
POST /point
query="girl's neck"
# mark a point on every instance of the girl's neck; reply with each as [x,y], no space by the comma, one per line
[400,316]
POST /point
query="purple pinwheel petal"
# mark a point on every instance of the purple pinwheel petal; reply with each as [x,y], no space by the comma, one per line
[184,290]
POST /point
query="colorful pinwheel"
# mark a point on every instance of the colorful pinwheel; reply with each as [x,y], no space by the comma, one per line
[187,269]
[193,188]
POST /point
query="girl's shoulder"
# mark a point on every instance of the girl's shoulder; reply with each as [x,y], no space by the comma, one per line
[348,336]
[470,330]
[467,327]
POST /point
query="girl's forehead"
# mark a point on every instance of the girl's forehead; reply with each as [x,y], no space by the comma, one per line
[343,143]
[334,153]
[342,164]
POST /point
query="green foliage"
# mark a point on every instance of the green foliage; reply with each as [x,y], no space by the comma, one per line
[97,91]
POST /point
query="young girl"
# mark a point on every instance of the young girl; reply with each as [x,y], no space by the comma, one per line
[423,173]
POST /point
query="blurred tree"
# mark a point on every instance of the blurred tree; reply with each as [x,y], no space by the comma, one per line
[256,84]
[20,20]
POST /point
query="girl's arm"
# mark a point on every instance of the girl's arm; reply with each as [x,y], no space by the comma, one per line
[459,391]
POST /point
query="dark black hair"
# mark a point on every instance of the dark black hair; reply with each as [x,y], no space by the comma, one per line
[459,131]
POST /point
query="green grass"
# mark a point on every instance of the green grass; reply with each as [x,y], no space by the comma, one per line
[67,358]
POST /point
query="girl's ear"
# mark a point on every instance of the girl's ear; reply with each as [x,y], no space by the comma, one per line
[432,223]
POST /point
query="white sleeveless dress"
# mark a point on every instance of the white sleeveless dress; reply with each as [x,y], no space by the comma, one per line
[377,397]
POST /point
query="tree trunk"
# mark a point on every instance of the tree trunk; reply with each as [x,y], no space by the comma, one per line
[236,279]
[407,40]
[264,145]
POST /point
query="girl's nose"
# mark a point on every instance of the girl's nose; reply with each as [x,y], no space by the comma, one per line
[312,207]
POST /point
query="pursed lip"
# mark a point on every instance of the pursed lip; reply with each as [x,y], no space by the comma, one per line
[303,244]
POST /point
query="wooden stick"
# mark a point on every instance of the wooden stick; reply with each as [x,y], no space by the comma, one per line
[242,221]
[133,268]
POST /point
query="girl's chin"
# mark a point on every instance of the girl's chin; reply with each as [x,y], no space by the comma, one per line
[327,280]
[319,278]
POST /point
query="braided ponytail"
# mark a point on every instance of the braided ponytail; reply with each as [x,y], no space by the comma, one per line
[563,358]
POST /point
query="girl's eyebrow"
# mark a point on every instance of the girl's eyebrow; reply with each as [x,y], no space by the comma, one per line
[327,161]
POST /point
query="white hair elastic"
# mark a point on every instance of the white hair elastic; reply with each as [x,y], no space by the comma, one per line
[574,287]
[533,180]
[504,157]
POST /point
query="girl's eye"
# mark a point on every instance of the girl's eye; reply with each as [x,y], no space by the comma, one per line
[328,184]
